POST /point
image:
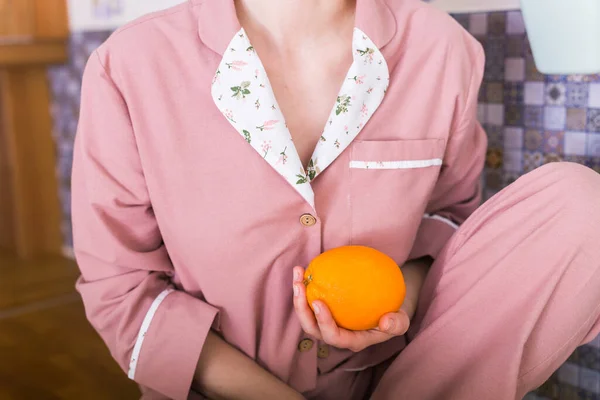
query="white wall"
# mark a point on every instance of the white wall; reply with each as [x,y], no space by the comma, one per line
[84,17]
[469,6]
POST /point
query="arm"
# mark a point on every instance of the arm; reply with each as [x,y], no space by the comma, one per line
[414,273]
[223,372]
[457,193]
[156,333]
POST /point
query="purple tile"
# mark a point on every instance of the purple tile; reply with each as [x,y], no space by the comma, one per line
[593,120]
[482,40]
[594,95]
[576,78]
[488,194]
[532,160]
[593,145]
[103,9]
[552,157]
[578,160]
[575,143]
[494,92]
[495,114]
[515,69]
[556,78]
[533,140]
[577,94]
[482,112]
[494,157]
[462,19]
[513,161]
[495,135]
[497,23]
[589,380]
[535,93]
[510,178]
[534,116]
[553,142]
[556,93]
[515,46]
[494,179]
[595,164]
[513,138]
[513,115]
[555,118]
[551,388]
[481,96]
[513,93]
[494,71]
[589,357]
[65,89]
[514,23]
[568,392]
[478,24]
[531,71]
[576,119]
[495,53]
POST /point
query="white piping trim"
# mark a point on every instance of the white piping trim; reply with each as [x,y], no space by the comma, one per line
[406,164]
[360,368]
[137,348]
[441,219]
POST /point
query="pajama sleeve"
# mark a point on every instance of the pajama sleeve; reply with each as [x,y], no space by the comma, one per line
[154,332]
[458,190]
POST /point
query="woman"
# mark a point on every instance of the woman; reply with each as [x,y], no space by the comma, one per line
[198,198]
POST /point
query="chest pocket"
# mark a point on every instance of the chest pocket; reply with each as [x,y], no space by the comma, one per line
[390,185]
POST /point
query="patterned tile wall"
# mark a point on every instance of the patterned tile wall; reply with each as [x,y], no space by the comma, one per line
[65,85]
[531,119]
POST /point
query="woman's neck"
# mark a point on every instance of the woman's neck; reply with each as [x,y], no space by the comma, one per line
[288,21]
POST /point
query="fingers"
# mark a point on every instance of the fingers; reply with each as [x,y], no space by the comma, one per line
[395,324]
[342,338]
[305,314]
[330,332]
[321,325]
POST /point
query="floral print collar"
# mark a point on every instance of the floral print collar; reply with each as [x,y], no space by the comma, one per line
[242,92]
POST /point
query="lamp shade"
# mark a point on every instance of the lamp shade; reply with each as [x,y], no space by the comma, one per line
[564,35]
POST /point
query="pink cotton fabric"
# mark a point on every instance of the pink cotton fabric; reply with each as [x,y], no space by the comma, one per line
[508,299]
[167,195]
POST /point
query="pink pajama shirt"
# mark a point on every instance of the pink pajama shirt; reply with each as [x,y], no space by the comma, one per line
[191,207]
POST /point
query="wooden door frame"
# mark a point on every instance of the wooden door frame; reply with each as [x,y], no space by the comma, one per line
[30,212]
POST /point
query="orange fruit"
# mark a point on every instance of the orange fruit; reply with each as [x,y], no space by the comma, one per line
[358,284]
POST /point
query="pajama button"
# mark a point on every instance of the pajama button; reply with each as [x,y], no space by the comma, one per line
[323,351]
[308,220]
[305,345]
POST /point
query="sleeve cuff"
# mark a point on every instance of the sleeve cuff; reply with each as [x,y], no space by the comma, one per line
[170,341]
[433,234]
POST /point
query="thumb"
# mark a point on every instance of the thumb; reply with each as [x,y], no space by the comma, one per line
[395,324]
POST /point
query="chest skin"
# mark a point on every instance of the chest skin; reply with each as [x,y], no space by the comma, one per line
[306,91]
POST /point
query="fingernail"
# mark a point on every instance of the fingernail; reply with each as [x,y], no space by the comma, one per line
[296,276]
[296,291]
[389,325]
[316,308]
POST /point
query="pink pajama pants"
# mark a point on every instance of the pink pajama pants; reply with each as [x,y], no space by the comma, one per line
[511,296]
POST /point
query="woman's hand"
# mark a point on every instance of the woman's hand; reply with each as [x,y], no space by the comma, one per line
[321,325]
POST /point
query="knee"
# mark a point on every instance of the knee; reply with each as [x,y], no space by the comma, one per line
[577,185]
[576,179]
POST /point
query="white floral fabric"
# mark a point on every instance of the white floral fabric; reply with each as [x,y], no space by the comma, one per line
[241,90]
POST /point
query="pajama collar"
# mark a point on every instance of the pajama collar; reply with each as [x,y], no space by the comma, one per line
[242,92]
